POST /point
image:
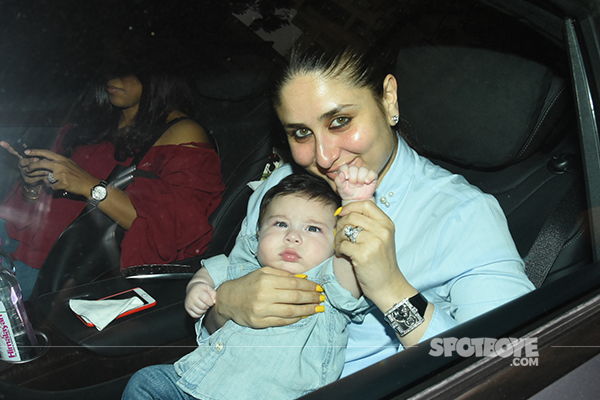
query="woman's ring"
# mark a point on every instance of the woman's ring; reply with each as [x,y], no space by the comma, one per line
[352,232]
[52,179]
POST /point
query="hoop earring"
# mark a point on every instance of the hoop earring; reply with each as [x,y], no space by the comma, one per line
[395,119]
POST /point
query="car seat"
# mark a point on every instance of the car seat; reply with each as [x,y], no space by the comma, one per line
[506,124]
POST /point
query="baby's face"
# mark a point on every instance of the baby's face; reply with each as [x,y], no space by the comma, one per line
[296,234]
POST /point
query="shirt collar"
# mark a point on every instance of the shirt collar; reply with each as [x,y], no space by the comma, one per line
[395,182]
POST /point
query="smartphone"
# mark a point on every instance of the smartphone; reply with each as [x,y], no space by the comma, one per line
[147,302]
[19,146]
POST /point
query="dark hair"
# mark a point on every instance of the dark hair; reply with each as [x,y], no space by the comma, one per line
[347,64]
[95,119]
[304,185]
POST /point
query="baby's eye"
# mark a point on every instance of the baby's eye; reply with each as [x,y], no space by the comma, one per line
[340,121]
[281,224]
[313,229]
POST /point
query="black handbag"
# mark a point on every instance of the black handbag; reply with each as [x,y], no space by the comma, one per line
[90,247]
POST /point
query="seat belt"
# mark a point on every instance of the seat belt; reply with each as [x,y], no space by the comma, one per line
[554,234]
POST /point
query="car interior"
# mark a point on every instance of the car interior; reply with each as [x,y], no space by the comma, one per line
[476,98]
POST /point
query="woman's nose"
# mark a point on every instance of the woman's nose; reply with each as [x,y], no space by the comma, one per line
[326,151]
[293,236]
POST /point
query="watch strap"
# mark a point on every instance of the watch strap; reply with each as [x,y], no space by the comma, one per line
[420,303]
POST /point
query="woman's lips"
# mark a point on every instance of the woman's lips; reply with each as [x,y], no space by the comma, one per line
[289,255]
[332,173]
[112,89]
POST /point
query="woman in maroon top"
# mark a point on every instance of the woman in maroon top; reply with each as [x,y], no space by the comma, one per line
[165,219]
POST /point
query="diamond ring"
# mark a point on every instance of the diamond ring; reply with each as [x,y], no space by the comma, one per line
[352,232]
[52,179]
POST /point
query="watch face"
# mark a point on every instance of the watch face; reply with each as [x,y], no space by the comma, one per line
[406,317]
[99,193]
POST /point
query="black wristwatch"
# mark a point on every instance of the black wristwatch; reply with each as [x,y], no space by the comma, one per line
[406,316]
[99,193]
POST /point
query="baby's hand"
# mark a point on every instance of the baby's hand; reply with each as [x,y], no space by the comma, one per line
[199,298]
[355,184]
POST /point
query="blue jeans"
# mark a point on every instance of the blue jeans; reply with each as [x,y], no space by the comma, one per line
[24,273]
[157,382]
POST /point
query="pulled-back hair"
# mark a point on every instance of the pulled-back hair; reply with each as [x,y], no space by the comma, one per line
[303,185]
[348,65]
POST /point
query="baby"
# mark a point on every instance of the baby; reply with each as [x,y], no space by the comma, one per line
[296,195]
[296,234]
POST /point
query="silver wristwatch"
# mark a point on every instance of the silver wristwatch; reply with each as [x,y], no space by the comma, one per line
[99,193]
[406,316]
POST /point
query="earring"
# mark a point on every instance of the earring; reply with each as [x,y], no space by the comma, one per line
[395,119]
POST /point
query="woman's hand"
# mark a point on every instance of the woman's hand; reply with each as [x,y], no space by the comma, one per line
[374,254]
[374,259]
[264,298]
[68,175]
[31,179]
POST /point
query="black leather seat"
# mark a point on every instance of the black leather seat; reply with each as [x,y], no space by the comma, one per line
[506,124]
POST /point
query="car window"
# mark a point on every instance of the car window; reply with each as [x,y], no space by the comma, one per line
[486,90]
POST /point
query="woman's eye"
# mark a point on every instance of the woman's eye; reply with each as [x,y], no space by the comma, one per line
[313,229]
[340,121]
[281,224]
[302,133]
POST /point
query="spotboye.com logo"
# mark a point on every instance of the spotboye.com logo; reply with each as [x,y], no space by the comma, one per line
[523,351]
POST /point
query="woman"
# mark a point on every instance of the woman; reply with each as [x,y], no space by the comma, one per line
[166,218]
[434,248]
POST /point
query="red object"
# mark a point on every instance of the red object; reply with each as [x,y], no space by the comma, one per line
[172,212]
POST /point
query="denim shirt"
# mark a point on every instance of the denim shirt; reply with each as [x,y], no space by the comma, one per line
[285,362]
[452,244]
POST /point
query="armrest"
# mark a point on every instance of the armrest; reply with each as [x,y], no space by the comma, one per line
[160,325]
[159,271]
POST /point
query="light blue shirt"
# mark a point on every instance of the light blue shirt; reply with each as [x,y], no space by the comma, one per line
[452,244]
[287,362]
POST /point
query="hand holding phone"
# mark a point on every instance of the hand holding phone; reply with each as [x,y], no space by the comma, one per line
[18,146]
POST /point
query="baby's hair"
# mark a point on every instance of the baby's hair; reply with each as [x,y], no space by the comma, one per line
[304,185]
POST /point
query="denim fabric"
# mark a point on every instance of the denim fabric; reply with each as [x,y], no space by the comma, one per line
[26,276]
[452,244]
[286,362]
[155,383]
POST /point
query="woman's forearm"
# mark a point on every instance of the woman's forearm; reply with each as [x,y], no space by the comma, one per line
[117,205]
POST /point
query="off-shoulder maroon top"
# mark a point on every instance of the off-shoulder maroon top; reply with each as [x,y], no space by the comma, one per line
[172,211]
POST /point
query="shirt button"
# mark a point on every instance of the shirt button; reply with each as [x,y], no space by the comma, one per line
[383,200]
[391,194]
[218,347]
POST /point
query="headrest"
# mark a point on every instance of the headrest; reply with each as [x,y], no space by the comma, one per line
[234,76]
[474,107]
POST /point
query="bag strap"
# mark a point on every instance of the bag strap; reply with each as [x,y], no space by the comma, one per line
[553,235]
[138,157]
[120,177]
